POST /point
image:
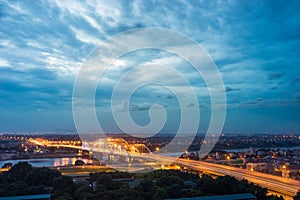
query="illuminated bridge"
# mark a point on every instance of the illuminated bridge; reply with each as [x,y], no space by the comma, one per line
[115,146]
[283,186]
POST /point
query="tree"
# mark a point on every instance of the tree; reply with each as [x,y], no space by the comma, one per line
[126,194]
[160,193]
[82,191]
[146,187]
[7,165]
[167,181]
[104,180]
[274,197]
[224,185]
[63,198]
[260,192]
[297,197]
[16,188]
[206,184]
[20,170]
[174,191]
[63,186]
[41,176]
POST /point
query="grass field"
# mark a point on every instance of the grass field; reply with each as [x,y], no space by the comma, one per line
[86,169]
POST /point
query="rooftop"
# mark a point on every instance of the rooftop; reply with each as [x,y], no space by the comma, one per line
[28,197]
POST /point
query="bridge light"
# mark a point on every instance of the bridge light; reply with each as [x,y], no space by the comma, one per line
[284,166]
[157,149]
[251,169]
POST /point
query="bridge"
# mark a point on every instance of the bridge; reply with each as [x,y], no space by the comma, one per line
[111,146]
[116,146]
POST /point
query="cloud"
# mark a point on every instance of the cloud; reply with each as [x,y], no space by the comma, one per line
[139,107]
[190,105]
[4,63]
[84,37]
[275,75]
[78,9]
[230,89]
[295,81]
[170,97]
[297,96]
[135,107]
[264,103]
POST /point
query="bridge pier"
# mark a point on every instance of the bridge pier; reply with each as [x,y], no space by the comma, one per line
[79,152]
[183,169]
[123,159]
[99,156]
[130,159]
[111,157]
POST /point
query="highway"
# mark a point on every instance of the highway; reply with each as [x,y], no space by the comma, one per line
[277,184]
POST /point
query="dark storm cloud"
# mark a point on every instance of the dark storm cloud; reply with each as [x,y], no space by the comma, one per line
[230,89]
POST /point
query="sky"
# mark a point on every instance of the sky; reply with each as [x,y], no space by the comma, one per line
[254,44]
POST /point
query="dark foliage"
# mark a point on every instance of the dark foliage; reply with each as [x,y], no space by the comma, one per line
[23,179]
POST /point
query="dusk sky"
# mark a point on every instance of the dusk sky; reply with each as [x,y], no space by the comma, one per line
[254,44]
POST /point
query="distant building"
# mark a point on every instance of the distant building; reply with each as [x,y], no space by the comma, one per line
[251,151]
[261,152]
[287,170]
[257,166]
[218,156]
[296,152]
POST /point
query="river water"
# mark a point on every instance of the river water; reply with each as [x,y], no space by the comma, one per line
[47,162]
[273,148]
[55,162]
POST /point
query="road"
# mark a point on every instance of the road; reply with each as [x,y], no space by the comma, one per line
[277,184]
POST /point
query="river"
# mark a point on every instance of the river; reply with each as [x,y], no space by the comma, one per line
[47,162]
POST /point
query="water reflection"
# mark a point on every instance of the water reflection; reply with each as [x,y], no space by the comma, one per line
[48,162]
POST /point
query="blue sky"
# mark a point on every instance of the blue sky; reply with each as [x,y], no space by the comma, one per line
[255,45]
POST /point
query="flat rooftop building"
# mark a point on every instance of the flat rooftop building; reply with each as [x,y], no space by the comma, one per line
[28,197]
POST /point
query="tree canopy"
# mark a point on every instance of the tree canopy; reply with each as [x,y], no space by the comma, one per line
[23,179]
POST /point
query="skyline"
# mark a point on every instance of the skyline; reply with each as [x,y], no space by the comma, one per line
[255,46]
